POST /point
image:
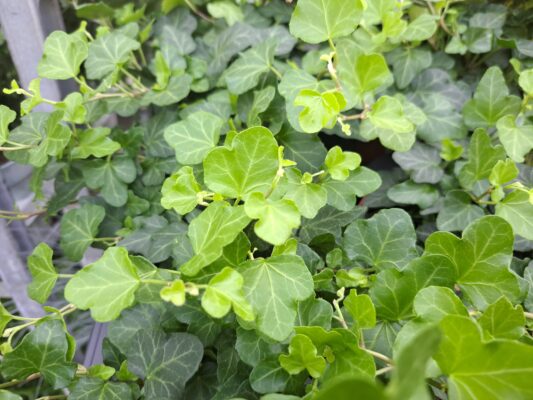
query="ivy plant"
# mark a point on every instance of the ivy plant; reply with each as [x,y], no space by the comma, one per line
[251,244]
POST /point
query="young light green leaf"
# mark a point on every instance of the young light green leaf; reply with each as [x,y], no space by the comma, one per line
[388,113]
[361,309]
[276,218]
[223,292]
[517,210]
[94,142]
[315,21]
[62,55]
[525,80]
[7,116]
[422,28]
[108,53]
[106,287]
[308,197]
[216,227]
[320,110]
[175,293]
[503,172]
[473,377]
[482,157]
[88,388]
[283,280]
[491,101]
[249,166]
[73,107]
[44,275]
[339,163]
[434,303]
[193,137]
[387,240]
[302,356]
[180,191]
[517,139]
[79,228]
[45,350]
[503,321]
[227,10]
[343,194]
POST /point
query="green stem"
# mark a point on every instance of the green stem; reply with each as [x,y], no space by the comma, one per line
[379,356]
[528,315]
[155,282]
[276,72]
[134,79]
[30,378]
[65,276]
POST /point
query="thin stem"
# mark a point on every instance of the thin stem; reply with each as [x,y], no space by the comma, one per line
[134,79]
[276,72]
[528,315]
[54,397]
[380,356]
[155,282]
[65,276]
[339,317]
[384,370]
[361,115]
[30,378]
[17,147]
[195,10]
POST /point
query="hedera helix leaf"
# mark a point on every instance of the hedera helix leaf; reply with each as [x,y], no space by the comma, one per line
[316,21]
[480,260]
[73,107]
[175,293]
[339,163]
[165,362]
[94,142]
[224,291]
[249,166]
[473,377]
[7,116]
[194,137]
[516,138]
[180,191]
[491,101]
[79,228]
[276,218]
[62,55]
[283,280]
[423,195]
[361,309]
[320,110]
[457,211]
[302,356]
[45,350]
[108,53]
[95,388]
[503,321]
[44,275]
[217,226]
[517,210]
[5,318]
[106,287]
[307,196]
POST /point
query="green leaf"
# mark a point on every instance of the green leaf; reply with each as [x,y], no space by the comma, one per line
[339,163]
[111,176]
[517,210]
[223,292]
[7,116]
[480,260]
[216,227]
[407,63]
[94,142]
[79,228]
[94,388]
[227,10]
[262,99]
[482,157]
[302,356]
[268,377]
[5,318]
[45,350]
[361,309]
[276,218]
[106,287]
[423,195]
[283,280]
[388,113]
[175,293]
[525,80]
[164,362]
[343,388]
[108,53]
[517,139]
[503,172]
[343,194]
[422,28]
[308,197]
[177,89]
[249,166]
[363,74]
[253,349]
[320,110]
[422,162]
[44,275]
[434,303]
[194,137]
[180,191]
[407,380]
[315,21]
[306,150]
[474,377]
[457,211]
[491,101]
[62,55]
[387,240]
[73,107]
[244,74]
[5,395]
[503,321]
